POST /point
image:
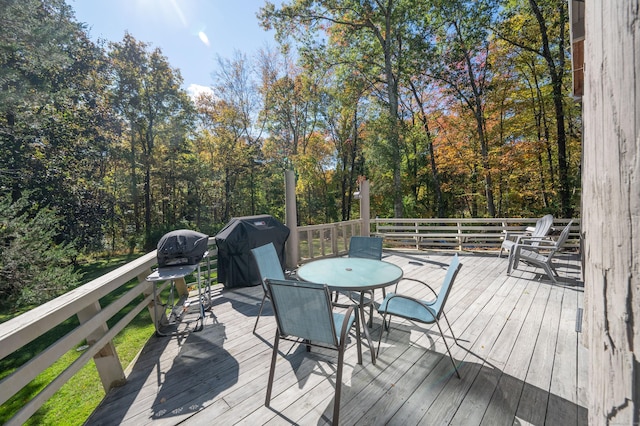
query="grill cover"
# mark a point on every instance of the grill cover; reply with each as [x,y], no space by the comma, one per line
[181,247]
[236,266]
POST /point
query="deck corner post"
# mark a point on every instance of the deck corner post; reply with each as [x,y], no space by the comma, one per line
[291,220]
[365,210]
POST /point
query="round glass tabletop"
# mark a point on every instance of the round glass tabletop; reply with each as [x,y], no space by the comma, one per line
[350,273]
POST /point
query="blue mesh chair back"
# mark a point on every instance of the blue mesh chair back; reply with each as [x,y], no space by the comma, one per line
[269,266]
[303,310]
[441,300]
[365,247]
[268,262]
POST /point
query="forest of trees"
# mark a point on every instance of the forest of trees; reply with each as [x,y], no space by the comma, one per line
[451,108]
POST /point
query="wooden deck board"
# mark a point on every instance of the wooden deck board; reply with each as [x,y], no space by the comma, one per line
[519,355]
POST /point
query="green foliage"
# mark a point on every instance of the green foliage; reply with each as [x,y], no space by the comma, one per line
[51,97]
[156,111]
[449,108]
[442,105]
[33,267]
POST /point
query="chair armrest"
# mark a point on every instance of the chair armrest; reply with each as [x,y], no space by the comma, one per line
[542,242]
[417,281]
[344,305]
[418,302]
[344,330]
[508,235]
[528,239]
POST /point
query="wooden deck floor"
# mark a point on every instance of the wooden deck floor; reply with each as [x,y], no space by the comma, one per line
[520,356]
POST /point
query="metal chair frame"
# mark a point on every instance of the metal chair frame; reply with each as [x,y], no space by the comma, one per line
[421,311]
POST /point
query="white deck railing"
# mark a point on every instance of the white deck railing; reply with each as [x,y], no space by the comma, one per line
[315,241]
[326,240]
[461,234]
[84,303]
[332,239]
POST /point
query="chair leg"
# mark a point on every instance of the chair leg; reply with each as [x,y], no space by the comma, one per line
[272,369]
[358,337]
[384,294]
[255,326]
[336,402]
[385,325]
[370,322]
[444,339]
[450,329]
[549,273]
[381,331]
[509,263]
[514,259]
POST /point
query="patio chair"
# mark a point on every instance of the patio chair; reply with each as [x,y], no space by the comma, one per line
[269,266]
[511,238]
[304,313]
[422,311]
[541,253]
[367,248]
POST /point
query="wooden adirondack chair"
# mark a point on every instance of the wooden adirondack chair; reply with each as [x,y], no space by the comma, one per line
[541,254]
[540,231]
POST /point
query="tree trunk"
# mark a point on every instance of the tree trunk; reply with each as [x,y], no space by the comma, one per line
[476,107]
[611,206]
[556,73]
[437,189]
[134,179]
[394,133]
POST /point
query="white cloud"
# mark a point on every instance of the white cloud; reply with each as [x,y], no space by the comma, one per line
[195,89]
[203,38]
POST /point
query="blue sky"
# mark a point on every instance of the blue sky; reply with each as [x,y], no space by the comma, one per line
[191,33]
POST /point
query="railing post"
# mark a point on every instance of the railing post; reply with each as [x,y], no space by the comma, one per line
[365,212]
[309,244]
[291,220]
[107,362]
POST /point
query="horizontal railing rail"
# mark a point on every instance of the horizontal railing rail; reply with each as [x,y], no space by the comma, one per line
[461,234]
[332,239]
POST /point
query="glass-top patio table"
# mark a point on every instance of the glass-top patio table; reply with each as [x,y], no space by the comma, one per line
[352,275]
